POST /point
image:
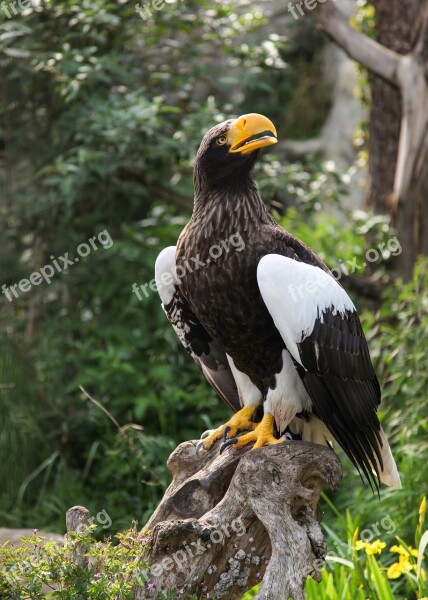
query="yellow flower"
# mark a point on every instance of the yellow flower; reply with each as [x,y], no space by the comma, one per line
[405,563]
[397,569]
[394,571]
[375,547]
[403,551]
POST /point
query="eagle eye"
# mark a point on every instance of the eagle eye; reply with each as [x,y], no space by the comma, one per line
[220,141]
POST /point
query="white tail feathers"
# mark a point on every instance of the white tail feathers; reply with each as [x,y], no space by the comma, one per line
[315,431]
[389,474]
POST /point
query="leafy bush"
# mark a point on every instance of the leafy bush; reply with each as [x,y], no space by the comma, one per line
[42,569]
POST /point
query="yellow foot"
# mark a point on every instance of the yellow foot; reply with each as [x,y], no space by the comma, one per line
[262,435]
[241,421]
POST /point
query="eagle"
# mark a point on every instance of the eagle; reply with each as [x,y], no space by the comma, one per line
[270,328]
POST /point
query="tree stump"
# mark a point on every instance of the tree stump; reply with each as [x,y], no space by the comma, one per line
[77,520]
[229,521]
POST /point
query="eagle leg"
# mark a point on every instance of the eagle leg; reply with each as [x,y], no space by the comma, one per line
[241,421]
[262,435]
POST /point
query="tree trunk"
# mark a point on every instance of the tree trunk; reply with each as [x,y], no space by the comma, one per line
[394,30]
[398,159]
[398,24]
[229,521]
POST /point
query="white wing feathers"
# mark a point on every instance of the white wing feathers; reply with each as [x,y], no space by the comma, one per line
[165,274]
[305,290]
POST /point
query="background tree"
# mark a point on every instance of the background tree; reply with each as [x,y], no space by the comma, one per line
[398,149]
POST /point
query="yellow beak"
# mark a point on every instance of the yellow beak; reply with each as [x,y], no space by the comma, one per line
[241,136]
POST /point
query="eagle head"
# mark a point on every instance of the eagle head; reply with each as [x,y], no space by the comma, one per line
[229,150]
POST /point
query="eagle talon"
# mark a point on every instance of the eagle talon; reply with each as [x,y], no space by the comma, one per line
[206,433]
[199,447]
[240,421]
[227,443]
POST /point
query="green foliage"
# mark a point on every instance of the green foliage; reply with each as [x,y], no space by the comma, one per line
[42,569]
[365,18]
[368,570]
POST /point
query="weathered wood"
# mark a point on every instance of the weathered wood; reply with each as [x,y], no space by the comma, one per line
[229,521]
[77,519]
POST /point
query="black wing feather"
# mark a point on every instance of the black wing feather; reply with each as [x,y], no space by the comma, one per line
[343,387]
[210,358]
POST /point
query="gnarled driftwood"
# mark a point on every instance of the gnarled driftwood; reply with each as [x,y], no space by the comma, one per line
[229,521]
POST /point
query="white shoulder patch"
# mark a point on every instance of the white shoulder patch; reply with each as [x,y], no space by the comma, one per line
[296,294]
[165,274]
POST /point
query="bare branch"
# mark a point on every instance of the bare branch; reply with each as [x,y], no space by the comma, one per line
[299,149]
[414,124]
[369,53]
[103,408]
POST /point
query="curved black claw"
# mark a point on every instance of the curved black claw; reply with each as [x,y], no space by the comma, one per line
[228,442]
[198,448]
[206,434]
[225,432]
[287,436]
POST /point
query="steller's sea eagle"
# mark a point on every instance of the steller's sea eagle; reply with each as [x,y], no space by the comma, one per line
[265,320]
